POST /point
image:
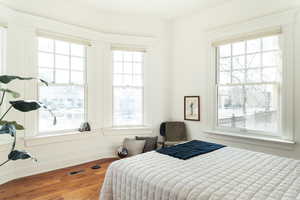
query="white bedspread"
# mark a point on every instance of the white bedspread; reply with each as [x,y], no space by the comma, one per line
[225,174]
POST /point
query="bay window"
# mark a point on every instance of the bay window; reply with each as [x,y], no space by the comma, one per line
[128,87]
[62,63]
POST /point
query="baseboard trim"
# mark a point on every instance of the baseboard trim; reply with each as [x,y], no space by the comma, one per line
[50,166]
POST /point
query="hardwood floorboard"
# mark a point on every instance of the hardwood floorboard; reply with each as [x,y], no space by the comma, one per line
[58,184]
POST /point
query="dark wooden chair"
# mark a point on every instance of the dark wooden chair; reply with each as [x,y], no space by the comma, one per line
[173,132]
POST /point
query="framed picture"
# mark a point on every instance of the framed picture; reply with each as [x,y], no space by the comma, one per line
[192,108]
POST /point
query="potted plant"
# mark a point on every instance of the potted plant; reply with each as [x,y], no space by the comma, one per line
[11,127]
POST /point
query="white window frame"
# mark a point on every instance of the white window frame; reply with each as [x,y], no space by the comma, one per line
[286,22]
[278,83]
[132,49]
[84,85]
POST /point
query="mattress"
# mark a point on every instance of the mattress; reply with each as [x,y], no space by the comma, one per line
[226,174]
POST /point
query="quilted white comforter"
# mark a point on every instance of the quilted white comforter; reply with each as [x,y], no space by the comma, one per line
[225,174]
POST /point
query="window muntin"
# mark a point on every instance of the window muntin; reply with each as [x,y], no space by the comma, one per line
[128,88]
[63,65]
[248,85]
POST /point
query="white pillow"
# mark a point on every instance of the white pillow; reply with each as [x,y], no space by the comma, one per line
[134,146]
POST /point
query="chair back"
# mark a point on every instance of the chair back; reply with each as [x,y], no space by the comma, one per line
[175,131]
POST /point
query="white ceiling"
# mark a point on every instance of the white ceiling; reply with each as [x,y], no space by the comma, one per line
[167,9]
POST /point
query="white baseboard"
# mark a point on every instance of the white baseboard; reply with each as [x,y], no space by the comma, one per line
[32,168]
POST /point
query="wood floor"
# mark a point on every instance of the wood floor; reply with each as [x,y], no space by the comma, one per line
[58,184]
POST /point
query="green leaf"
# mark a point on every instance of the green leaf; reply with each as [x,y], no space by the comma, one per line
[8,129]
[17,155]
[27,106]
[17,126]
[13,93]
[7,79]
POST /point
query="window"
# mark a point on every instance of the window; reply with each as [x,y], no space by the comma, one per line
[249,85]
[128,88]
[63,65]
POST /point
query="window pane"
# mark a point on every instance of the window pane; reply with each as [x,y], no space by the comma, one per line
[118,56]
[128,56]
[225,77]
[77,50]
[118,67]
[118,80]
[62,62]
[225,64]
[77,63]
[128,107]
[62,76]
[238,62]
[69,109]
[254,75]
[246,101]
[230,105]
[46,44]
[253,60]
[46,60]
[46,74]
[62,47]
[67,101]
[128,87]
[271,43]
[225,50]
[271,59]
[238,76]
[253,46]
[137,80]
[262,108]
[238,48]
[77,77]
[138,56]
[127,80]
[251,107]
[137,68]
[128,68]
[270,74]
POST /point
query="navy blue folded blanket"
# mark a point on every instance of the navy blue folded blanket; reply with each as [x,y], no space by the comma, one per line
[190,149]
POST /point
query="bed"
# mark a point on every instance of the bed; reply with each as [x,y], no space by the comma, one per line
[225,174]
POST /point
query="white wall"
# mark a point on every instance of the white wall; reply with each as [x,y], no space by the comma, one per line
[102,30]
[179,62]
[190,65]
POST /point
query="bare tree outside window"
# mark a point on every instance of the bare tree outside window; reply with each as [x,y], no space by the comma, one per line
[249,74]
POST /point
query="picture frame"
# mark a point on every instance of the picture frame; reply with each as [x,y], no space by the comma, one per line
[192,108]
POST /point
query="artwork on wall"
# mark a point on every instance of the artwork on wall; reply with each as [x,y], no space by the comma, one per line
[192,108]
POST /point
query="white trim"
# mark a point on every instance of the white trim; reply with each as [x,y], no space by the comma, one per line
[63,37]
[255,34]
[254,137]
[122,47]
[286,21]
[60,137]
[118,131]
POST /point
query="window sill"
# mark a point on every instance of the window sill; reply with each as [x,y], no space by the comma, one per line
[136,130]
[59,137]
[257,138]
